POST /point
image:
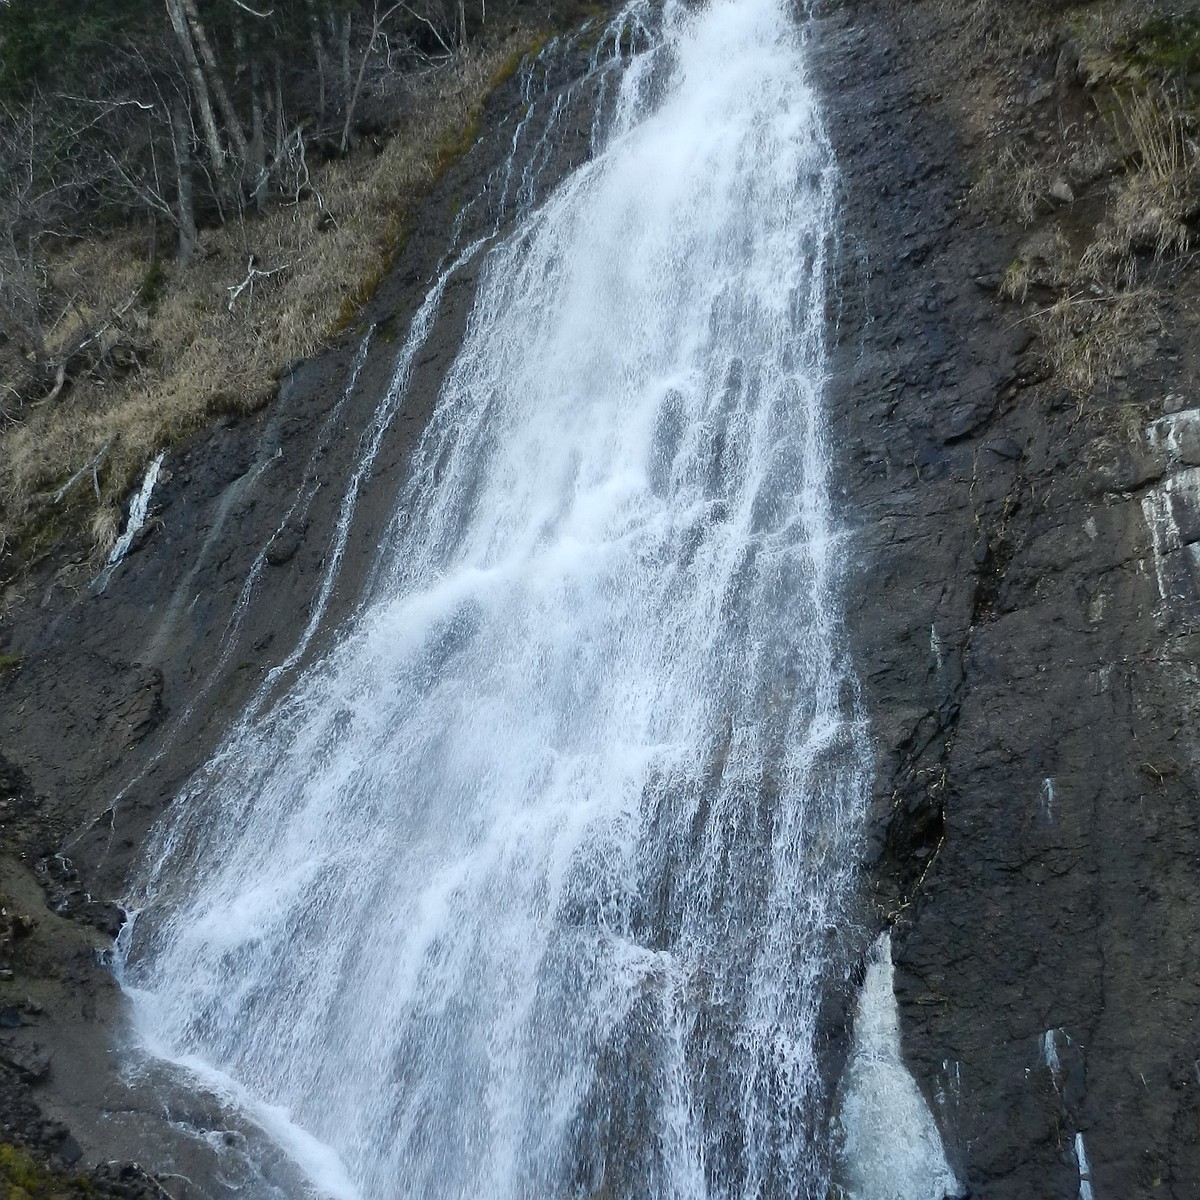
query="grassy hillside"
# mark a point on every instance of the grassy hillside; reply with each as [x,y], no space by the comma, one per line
[179,346]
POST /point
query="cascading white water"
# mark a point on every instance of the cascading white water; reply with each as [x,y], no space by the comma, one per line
[528,888]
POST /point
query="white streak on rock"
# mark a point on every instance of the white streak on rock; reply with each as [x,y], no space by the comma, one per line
[1085,1170]
[1050,1052]
[1161,506]
[1177,435]
[138,509]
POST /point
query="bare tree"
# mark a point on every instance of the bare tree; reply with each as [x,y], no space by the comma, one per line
[378,22]
[51,160]
[199,86]
[216,81]
[185,207]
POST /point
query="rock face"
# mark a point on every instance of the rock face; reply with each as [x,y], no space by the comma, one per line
[1026,623]
[1025,609]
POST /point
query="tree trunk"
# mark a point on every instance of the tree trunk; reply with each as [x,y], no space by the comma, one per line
[258,140]
[352,103]
[199,88]
[319,54]
[185,214]
[344,39]
[216,81]
[280,123]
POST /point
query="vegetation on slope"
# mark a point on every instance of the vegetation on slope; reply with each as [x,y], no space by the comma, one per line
[226,190]
[1089,131]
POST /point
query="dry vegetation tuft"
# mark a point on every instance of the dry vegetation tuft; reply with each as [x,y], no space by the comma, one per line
[1087,338]
[1088,126]
[1159,191]
[182,346]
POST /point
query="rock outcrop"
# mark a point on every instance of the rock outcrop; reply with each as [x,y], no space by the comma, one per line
[1024,606]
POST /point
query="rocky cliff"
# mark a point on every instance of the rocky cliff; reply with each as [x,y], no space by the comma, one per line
[1026,621]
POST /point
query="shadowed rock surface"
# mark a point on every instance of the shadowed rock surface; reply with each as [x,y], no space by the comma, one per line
[1026,633]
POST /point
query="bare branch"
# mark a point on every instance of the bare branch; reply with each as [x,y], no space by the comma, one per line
[252,273]
[91,465]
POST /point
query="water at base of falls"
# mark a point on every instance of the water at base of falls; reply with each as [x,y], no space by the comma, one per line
[530,887]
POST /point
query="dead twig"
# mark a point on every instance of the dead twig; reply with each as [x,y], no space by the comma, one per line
[252,273]
[93,465]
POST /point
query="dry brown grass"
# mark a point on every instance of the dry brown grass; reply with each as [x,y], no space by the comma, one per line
[1045,262]
[1014,185]
[1088,339]
[187,354]
[1161,188]
[1110,307]
[1118,129]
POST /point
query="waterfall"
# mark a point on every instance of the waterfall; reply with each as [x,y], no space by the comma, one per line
[530,886]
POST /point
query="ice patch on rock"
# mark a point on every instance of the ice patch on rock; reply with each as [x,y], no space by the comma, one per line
[889,1146]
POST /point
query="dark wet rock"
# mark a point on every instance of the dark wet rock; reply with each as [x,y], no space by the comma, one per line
[1028,665]
[147,530]
[283,546]
[31,1061]
[67,1150]
[963,420]
[1004,447]
[1120,468]
[141,709]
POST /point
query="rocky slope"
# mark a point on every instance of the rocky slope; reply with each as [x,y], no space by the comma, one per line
[1026,618]
[1024,607]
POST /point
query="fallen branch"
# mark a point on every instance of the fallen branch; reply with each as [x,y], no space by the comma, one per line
[252,273]
[76,351]
[92,465]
